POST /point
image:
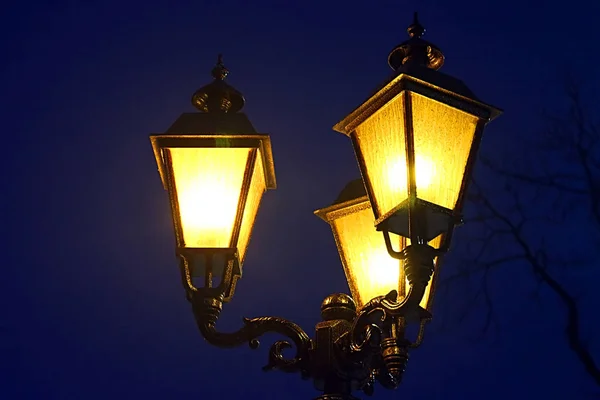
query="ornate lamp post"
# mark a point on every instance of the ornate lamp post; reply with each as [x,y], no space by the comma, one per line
[415,140]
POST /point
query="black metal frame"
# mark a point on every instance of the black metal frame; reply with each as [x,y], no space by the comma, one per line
[350,351]
[403,85]
[255,143]
[160,142]
[352,199]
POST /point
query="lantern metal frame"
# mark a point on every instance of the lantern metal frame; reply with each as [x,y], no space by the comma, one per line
[435,86]
[351,349]
[232,270]
[416,63]
[353,198]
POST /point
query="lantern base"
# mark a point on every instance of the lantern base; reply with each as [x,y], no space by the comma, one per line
[433,219]
[218,268]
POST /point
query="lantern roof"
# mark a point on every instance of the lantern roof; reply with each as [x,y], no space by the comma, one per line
[219,104]
[352,198]
[425,81]
[351,191]
[212,123]
[416,70]
[218,124]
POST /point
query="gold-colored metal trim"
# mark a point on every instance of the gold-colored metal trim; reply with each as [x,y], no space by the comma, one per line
[404,82]
[169,180]
[263,142]
[246,182]
[335,211]
[469,165]
[437,263]
[405,204]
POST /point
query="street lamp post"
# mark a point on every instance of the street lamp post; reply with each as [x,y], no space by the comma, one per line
[415,140]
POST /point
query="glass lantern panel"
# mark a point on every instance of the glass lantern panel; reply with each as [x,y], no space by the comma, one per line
[443,137]
[382,145]
[208,182]
[256,191]
[369,269]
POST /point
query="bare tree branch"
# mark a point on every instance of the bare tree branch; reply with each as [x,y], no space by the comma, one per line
[572,330]
[534,203]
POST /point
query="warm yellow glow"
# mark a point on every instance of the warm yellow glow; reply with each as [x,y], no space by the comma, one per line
[442,140]
[398,174]
[444,135]
[370,271]
[257,189]
[208,182]
[381,143]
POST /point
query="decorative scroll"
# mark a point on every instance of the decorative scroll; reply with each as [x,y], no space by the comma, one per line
[254,328]
[371,349]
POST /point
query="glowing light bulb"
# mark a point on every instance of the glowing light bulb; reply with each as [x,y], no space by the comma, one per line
[209,184]
[424,170]
[207,206]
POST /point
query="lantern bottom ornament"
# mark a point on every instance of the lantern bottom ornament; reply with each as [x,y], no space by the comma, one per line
[434,220]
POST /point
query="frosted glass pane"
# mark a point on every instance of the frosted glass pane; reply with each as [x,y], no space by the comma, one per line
[370,271]
[381,143]
[257,189]
[208,182]
[443,137]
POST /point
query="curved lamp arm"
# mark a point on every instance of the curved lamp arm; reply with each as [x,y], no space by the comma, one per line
[207,303]
[350,351]
[379,330]
[418,267]
[379,327]
[207,310]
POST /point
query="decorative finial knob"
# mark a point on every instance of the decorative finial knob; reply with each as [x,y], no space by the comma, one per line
[416,29]
[416,51]
[218,96]
[220,71]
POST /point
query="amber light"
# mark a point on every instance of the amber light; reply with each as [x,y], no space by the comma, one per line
[208,183]
[215,184]
[398,174]
[369,269]
[414,142]
[442,141]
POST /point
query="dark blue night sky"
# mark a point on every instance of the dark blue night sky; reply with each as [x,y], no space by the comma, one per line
[92,305]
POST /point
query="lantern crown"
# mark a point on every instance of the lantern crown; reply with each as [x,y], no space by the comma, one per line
[218,96]
[416,50]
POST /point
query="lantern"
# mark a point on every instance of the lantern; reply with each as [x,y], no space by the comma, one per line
[415,141]
[369,269]
[215,168]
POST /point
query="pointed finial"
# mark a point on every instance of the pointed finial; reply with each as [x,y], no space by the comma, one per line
[218,96]
[416,29]
[219,71]
[416,51]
